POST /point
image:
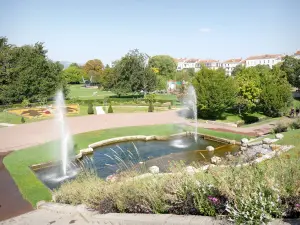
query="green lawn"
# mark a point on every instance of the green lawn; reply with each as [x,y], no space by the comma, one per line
[228,117]
[78,91]
[33,190]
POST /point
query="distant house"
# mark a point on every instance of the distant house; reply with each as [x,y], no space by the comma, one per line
[230,64]
[180,63]
[211,63]
[267,59]
[297,55]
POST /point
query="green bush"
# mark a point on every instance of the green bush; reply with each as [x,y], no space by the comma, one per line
[90,109]
[295,125]
[151,107]
[23,120]
[280,127]
[25,103]
[110,109]
[169,107]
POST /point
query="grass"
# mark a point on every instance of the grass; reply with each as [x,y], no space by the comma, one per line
[79,91]
[33,190]
[228,117]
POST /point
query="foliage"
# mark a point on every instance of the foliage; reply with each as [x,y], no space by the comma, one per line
[151,107]
[215,92]
[165,65]
[132,74]
[90,109]
[169,107]
[236,70]
[280,127]
[248,82]
[110,109]
[150,98]
[74,74]
[108,78]
[94,69]
[27,73]
[161,83]
[23,120]
[276,93]
[291,66]
[25,103]
[295,124]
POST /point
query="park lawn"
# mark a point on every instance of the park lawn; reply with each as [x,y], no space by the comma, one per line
[6,117]
[234,118]
[18,163]
[78,91]
[165,97]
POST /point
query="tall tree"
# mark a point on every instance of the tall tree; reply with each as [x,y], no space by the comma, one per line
[94,69]
[74,74]
[291,66]
[248,81]
[133,74]
[108,78]
[215,91]
[26,73]
[165,64]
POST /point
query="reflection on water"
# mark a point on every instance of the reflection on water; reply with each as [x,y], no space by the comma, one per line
[112,158]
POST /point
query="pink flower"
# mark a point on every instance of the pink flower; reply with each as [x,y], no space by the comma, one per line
[297,205]
[213,200]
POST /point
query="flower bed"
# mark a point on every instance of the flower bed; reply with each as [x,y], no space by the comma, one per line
[42,111]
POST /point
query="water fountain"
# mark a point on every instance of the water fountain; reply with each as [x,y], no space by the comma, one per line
[190,101]
[66,142]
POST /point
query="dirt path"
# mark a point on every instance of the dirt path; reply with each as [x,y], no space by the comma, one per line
[11,201]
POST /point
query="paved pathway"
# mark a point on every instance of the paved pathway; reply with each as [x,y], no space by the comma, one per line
[26,135]
[58,214]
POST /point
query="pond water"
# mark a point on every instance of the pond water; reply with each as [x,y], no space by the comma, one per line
[111,159]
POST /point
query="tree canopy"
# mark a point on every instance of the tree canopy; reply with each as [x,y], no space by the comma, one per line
[94,69]
[27,73]
[74,74]
[291,66]
[133,74]
[165,65]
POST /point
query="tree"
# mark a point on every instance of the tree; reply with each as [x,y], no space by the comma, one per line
[165,64]
[94,69]
[74,74]
[110,109]
[236,69]
[132,74]
[27,73]
[276,94]
[291,66]
[74,65]
[108,78]
[90,109]
[215,91]
[248,82]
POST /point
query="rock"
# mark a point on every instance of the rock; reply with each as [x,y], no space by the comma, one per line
[154,169]
[244,141]
[190,169]
[279,136]
[244,145]
[243,148]
[265,146]
[215,160]
[210,148]
[275,147]
[267,141]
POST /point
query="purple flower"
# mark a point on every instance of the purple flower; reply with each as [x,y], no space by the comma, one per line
[213,200]
[297,205]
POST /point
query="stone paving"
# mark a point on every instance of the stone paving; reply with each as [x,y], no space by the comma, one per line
[59,214]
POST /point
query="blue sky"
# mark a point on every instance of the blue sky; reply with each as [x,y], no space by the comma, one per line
[77,31]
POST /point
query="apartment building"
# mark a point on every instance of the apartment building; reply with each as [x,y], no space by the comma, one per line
[269,60]
[230,64]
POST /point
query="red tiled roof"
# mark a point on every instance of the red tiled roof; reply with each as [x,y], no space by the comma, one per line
[181,60]
[266,56]
[233,60]
[191,60]
[297,53]
[244,61]
[208,61]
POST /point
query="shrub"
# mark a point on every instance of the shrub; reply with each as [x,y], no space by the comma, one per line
[295,125]
[151,107]
[110,109]
[25,103]
[169,107]
[280,127]
[23,120]
[90,109]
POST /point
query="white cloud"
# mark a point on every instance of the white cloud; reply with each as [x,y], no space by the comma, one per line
[205,30]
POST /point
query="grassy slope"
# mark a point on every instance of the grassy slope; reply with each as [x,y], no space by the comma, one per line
[33,190]
[77,91]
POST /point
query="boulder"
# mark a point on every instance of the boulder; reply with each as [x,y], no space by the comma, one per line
[279,136]
[243,148]
[265,146]
[267,141]
[210,148]
[154,169]
[244,141]
[215,160]
[190,169]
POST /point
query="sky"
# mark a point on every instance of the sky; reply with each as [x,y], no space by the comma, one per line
[79,30]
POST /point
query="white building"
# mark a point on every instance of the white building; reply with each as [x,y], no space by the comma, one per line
[180,63]
[211,63]
[269,60]
[230,64]
[297,55]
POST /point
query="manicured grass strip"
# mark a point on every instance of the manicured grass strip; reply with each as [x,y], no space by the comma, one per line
[32,188]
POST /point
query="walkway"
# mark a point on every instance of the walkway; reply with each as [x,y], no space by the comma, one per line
[57,214]
[26,135]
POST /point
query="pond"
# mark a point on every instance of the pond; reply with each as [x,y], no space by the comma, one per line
[113,158]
